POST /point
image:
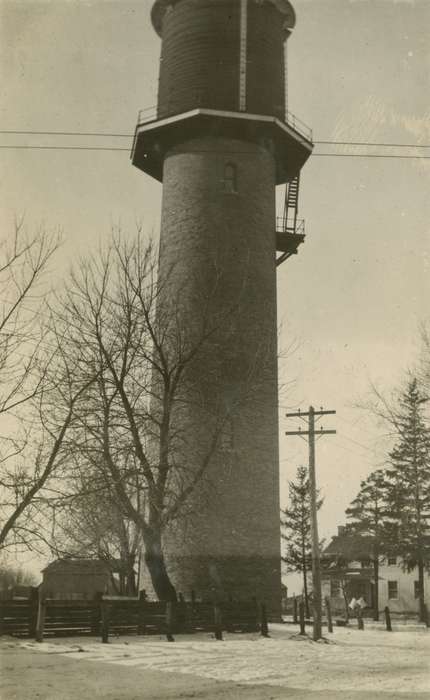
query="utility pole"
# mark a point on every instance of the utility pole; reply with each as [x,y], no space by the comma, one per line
[316,567]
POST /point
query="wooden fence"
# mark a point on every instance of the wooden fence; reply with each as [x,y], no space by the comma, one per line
[19,617]
[41,617]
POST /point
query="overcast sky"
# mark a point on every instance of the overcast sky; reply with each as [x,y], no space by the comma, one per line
[350,303]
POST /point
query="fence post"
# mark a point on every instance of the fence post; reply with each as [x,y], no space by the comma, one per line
[141,628]
[1,615]
[388,619]
[181,614]
[254,600]
[33,604]
[96,618]
[295,617]
[104,609]
[218,622]
[264,625]
[302,617]
[329,618]
[169,621]
[41,614]
[360,622]
[426,615]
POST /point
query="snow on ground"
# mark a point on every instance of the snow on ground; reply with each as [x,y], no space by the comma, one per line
[364,660]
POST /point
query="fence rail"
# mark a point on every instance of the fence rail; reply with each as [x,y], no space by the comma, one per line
[42,617]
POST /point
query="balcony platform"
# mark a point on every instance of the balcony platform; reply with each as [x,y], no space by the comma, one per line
[154,138]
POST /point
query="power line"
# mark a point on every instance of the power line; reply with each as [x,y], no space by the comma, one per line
[369,155]
[66,148]
[66,133]
[130,136]
[112,149]
[372,143]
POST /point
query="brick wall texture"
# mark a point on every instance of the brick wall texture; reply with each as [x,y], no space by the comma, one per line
[217,264]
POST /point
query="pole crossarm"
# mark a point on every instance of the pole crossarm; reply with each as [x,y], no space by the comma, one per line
[301,414]
[306,432]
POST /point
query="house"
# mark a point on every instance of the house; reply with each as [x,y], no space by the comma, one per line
[348,573]
[78,578]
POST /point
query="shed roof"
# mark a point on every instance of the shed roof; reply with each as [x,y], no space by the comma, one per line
[77,566]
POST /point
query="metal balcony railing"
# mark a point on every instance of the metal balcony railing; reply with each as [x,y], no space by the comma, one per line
[294,226]
[298,125]
[149,114]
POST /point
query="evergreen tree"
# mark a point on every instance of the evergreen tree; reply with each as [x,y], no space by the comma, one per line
[296,529]
[409,480]
[369,520]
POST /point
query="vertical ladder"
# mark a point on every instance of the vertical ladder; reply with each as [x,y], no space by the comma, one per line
[291,231]
[291,206]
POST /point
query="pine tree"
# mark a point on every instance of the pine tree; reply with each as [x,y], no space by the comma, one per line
[409,478]
[369,519]
[296,526]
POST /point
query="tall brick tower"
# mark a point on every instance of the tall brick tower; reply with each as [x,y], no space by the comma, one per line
[220,143]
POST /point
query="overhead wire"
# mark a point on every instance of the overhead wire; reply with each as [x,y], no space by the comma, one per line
[40,147]
[102,134]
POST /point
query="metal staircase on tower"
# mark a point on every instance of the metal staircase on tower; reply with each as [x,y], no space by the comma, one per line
[290,231]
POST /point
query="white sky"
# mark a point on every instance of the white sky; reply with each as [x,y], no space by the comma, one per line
[351,301]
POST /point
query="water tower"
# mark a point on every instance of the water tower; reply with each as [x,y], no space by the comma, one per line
[220,143]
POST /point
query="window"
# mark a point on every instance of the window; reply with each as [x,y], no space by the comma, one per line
[393,590]
[392,561]
[416,589]
[230,178]
[335,591]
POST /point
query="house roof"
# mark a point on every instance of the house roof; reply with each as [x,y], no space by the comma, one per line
[350,547]
[77,566]
[353,547]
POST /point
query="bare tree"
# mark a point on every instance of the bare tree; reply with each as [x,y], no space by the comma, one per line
[136,421]
[88,522]
[11,576]
[24,262]
[27,474]
[39,388]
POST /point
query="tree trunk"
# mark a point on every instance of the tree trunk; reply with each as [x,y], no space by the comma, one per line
[131,588]
[345,600]
[130,578]
[154,560]
[376,588]
[305,591]
[421,597]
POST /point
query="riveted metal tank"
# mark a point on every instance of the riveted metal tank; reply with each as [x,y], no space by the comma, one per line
[210,46]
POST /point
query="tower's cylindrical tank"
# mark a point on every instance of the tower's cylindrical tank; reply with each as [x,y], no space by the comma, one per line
[209,46]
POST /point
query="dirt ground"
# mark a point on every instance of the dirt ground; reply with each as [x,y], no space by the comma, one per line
[136,669]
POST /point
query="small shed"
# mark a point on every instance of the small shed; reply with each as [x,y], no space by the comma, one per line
[76,578]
